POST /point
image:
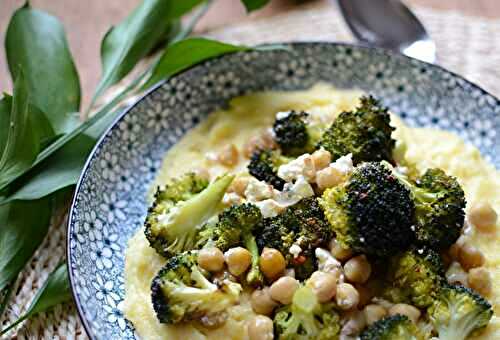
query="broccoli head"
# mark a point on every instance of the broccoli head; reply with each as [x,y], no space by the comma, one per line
[173,221]
[235,227]
[364,132]
[439,209]
[416,276]
[294,134]
[181,292]
[396,327]
[264,166]
[371,212]
[306,318]
[459,312]
[302,224]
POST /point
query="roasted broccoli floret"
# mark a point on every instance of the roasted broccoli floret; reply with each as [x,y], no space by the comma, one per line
[181,292]
[415,277]
[306,318]
[372,212]
[302,224]
[440,204]
[396,327]
[235,227]
[264,166]
[459,312]
[178,211]
[364,132]
[294,134]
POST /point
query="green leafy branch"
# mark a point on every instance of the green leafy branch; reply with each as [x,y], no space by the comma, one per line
[43,145]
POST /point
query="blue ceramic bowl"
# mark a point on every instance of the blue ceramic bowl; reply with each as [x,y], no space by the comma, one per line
[110,205]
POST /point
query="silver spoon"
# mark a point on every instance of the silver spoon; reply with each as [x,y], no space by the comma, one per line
[388,24]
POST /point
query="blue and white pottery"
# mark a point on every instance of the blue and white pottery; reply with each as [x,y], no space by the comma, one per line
[110,200]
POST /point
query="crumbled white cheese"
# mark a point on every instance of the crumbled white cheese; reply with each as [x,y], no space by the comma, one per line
[269,207]
[292,193]
[257,191]
[301,166]
[402,170]
[295,250]
[326,261]
[343,164]
[282,114]
[231,198]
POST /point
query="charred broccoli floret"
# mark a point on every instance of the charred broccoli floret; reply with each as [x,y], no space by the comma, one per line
[302,224]
[181,292]
[440,204]
[371,212]
[416,277]
[264,166]
[396,327]
[178,211]
[364,132]
[459,312]
[306,318]
[294,134]
[235,227]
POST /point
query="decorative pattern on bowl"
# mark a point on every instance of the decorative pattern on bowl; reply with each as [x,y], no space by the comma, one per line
[110,204]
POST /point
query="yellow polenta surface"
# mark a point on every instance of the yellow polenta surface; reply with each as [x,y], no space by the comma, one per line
[246,117]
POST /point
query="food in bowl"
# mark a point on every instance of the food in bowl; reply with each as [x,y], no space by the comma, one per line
[316,214]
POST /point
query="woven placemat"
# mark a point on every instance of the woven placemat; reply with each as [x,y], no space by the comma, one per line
[465,44]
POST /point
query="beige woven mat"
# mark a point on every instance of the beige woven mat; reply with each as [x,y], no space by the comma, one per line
[465,45]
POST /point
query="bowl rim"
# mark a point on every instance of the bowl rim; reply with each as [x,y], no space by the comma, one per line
[154,88]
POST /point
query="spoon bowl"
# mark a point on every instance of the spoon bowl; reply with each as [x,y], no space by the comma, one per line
[388,24]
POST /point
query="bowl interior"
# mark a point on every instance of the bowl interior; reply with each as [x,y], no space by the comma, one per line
[110,202]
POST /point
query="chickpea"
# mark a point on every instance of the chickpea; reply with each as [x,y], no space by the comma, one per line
[373,313]
[260,328]
[347,297]
[282,290]
[357,269]
[263,141]
[228,156]
[272,263]
[479,279]
[470,257]
[261,301]
[410,311]
[321,159]
[339,252]
[324,285]
[238,260]
[211,259]
[354,322]
[483,216]
[239,185]
[328,177]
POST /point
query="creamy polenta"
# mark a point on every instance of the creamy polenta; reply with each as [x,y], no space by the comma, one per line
[251,114]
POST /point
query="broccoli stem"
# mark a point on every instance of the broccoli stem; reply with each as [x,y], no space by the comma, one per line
[187,216]
[254,276]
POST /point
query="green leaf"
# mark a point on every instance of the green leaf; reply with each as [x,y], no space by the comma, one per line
[55,290]
[39,120]
[5,108]
[252,5]
[36,42]
[187,53]
[128,42]
[59,171]
[22,144]
[23,226]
